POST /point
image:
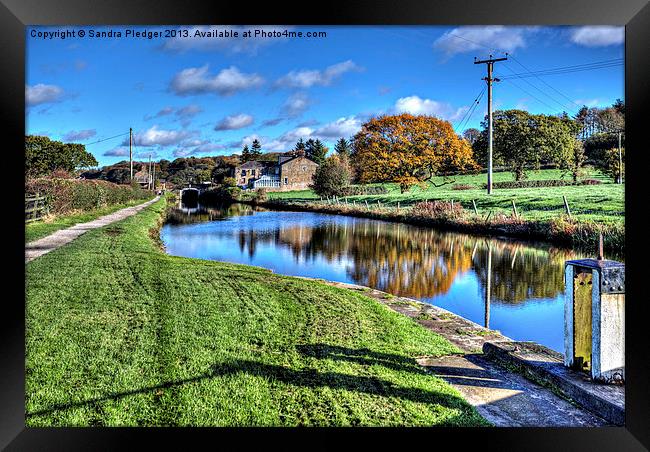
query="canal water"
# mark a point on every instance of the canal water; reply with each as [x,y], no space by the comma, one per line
[446,269]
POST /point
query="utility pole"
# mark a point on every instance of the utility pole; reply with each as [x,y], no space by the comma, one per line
[131,151]
[154,176]
[490,66]
[149,174]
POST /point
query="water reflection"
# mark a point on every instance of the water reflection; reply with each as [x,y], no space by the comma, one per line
[516,286]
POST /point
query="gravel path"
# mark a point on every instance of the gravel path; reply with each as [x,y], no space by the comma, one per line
[59,238]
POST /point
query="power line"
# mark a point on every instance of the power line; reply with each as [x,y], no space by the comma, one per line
[106,139]
[530,94]
[538,89]
[543,81]
[471,112]
[476,100]
[569,69]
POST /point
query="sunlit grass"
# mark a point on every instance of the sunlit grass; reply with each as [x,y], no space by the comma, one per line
[121,334]
[603,202]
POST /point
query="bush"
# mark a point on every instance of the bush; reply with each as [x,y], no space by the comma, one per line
[610,164]
[437,210]
[355,190]
[65,195]
[462,187]
[332,177]
[541,183]
[591,182]
[260,195]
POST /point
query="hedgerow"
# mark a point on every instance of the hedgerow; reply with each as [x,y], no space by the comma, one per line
[67,195]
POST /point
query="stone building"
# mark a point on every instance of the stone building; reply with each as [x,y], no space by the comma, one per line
[290,172]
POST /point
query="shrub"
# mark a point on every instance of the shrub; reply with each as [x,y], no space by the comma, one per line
[332,177]
[437,210]
[591,182]
[260,195]
[462,187]
[65,195]
[355,190]
[541,183]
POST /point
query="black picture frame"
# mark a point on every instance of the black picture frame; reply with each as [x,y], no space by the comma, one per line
[15,15]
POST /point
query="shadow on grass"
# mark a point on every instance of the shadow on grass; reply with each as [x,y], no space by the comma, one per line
[311,378]
[363,356]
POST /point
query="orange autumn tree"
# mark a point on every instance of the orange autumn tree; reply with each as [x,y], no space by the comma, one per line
[408,150]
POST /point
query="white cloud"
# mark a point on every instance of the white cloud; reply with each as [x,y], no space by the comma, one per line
[198,40]
[189,111]
[226,82]
[292,136]
[306,78]
[80,135]
[418,106]
[193,147]
[496,38]
[296,104]
[598,36]
[42,94]
[234,122]
[341,128]
[158,137]
[164,112]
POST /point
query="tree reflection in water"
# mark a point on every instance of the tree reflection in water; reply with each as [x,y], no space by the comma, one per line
[406,260]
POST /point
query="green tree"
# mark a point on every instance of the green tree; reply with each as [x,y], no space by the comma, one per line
[523,141]
[300,147]
[343,147]
[315,150]
[256,150]
[246,154]
[43,156]
[610,164]
[573,164]
[332,176]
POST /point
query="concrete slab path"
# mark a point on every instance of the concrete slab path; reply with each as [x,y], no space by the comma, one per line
[44,245]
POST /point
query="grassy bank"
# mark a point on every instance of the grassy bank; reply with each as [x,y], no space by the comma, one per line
[541,211]
[37,229]
[603,203]
[119,333]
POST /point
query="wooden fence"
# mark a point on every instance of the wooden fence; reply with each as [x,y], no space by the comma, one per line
[36,207]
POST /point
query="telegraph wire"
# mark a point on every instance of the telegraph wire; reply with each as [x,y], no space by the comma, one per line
[106,139]
[477,99]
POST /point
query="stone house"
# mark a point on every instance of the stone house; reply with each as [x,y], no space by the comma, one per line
[290,172]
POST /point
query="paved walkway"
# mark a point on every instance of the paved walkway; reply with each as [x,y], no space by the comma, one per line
[503,397]
[59,238]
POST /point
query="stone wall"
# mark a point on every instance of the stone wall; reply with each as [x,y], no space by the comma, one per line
[297,174]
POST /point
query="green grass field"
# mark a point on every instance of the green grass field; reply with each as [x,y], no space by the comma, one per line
[121,334]
[604,202]
[37,229]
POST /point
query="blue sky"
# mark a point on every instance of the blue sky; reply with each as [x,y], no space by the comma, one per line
[206,96]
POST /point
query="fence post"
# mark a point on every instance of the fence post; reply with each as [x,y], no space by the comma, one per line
[566,206]
[366,201]
[474,206]
[514,209]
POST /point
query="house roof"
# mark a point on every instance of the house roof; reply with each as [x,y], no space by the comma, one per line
[296,157]
[251,164]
